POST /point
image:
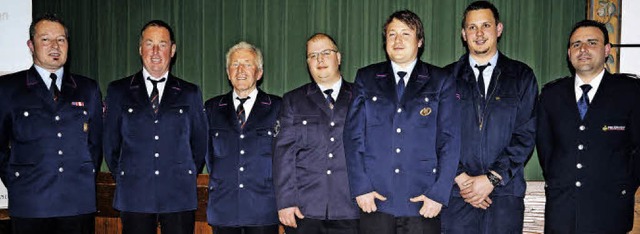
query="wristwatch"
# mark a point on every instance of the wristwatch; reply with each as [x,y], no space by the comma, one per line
[495,181]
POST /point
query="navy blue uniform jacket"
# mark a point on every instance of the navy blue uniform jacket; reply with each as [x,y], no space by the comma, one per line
[589,165]
[403,148]
[49,151]
[309,167]
[239,162]
[154,158]
[498,133]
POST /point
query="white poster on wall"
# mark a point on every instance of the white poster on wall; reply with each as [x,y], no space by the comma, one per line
[15,18]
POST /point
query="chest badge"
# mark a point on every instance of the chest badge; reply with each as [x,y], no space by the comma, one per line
[85,127]
[425,111]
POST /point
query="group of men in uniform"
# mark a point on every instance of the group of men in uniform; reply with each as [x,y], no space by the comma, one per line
[407,148]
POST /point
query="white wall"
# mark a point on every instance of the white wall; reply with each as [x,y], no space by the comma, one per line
[630,34]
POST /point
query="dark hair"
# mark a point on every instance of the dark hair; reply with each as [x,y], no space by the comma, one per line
[410,19]
[159,23]
[318,36]
[48,17]
[590,23]
[479,5]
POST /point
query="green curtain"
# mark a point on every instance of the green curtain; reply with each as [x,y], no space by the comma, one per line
[104,36]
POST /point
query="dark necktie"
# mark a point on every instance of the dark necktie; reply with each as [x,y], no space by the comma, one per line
[242,117]
[155,94]
[330,99]
[480,82]
[583,102]
[54,88]
[400,85]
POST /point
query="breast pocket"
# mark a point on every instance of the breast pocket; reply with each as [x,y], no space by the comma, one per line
[133,120]
[375,105]
[306,127]
[32,123]
[265,140]
[219,138]
[179,117]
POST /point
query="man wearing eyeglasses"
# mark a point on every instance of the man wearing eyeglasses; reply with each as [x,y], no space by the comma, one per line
[401,135]
[310,171]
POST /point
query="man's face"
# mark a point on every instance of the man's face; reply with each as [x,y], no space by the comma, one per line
[243,71]
[402,43]
[49,45]
[323,60]
[587,51]
[481,32]
[156,50]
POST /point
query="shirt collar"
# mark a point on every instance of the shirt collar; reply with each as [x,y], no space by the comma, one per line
[336,89]
[146,74]
[493,61]
[396,68]
[44,74]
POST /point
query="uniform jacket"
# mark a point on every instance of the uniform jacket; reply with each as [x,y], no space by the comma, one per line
[239,162]
[498,133]
[403,148]
[589,164]
[49,151]
[309,168]
[154,158]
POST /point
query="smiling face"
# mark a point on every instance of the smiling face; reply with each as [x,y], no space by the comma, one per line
[156,50]
[243,71]
[323,60]
[481,32]
[402,43]
[49,45]
[587,51]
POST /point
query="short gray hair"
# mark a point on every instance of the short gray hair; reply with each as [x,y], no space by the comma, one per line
[246,45]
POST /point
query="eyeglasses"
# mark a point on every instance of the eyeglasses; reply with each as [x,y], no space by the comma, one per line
[323,54]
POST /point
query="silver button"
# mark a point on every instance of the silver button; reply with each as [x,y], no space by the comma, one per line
[241,151]
[155,121]
[157,172]
[241,136]
[156,155]
[241,168]
[397,170]
[156,137]
[84,112]
[580,147]
[26,114]
[190,172]
[60,169]
[578,184]
[623,192]
[130,110]
[398,150]
[17,174]
[332,123]
[399,110]
[332,139]
[328,172]
[330,155]
[398,130]
[435,170]
[269,133]
[304,122]
[216,134]
[122,173]
[582,128]
[374,98]
[59,135]
[59,152]
[579,165]
[181,111]
[93,170]
[426,99]
[241,185]
[57,118]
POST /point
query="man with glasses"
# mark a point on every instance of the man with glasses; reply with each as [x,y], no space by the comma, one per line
[310,173]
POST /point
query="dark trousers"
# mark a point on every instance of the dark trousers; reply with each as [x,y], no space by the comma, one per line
[77,224]
[269,229]
[318,226]
[382,223]
[147,223]
[504,216]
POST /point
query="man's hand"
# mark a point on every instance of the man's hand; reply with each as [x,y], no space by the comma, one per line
[288,216]
[477,192]
[430,208]
[463,181]
[367,202]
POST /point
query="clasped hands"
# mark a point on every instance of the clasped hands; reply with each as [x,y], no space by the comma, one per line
[475,190]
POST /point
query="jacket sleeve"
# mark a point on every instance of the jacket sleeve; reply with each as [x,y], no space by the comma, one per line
[112,139]
[354,141]
[5,132]
[514,156]
[447,142]
[199,130]
[284,161]
[544,137]
[95,126]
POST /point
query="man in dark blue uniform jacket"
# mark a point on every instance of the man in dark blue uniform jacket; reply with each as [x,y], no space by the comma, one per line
[241,129]
[498,96]
[589,140]
[310,172]
[402,136]
[50,138]
[155,140]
